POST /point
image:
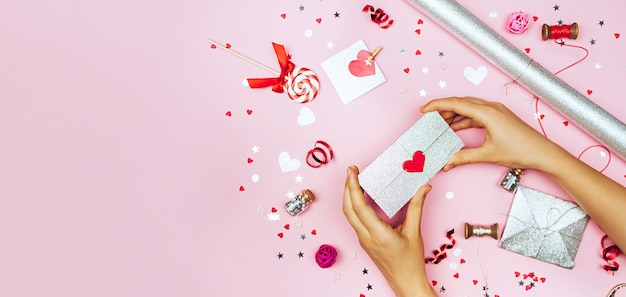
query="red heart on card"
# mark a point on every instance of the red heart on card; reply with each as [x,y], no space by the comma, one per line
[241,188]
[280,234]
[462,261]
[250,160]
[418,52]
[228,113]
[213,46]
[283,15]
[535,18]
[314,232]
[475,282]
[360,67]
[415,165]
[418,31]
[456,275]
[589,92]
[274,209]
[543,279]
[517,274]
[228,45]
[434,282]
[527,50]
[616,35]
[287,226]
[319,20]
[419,22]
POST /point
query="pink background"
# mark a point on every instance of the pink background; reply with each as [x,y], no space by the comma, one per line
[120,172]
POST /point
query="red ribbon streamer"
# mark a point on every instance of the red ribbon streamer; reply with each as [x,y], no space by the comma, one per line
[441,253]
[609,253]
[378,16]
[277,83]
[321,153]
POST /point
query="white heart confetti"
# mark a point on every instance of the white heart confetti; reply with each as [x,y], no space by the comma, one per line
[352,255]
[287,164]
[306,116]
[475,76]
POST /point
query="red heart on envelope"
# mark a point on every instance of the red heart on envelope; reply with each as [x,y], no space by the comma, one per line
[359,67]
[415,165]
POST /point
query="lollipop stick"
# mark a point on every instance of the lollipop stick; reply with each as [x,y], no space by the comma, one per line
[244,57]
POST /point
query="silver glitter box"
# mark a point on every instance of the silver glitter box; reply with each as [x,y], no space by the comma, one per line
[544,227]
[385,180]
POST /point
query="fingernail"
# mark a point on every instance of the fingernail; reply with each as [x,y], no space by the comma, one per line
[428,189]
[349,170]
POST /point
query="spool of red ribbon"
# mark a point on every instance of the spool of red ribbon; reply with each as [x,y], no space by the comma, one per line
[321,154]
[378,16]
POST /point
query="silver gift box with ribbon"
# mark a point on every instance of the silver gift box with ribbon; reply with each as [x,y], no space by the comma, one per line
[544,227]
[409,162]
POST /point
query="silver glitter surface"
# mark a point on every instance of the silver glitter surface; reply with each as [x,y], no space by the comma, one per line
[461,23]
[544,227]
[388,183]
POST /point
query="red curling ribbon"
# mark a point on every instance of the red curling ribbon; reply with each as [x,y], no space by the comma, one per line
[321,154]
[441,253]
[277,83]
[609,253]
[378,16]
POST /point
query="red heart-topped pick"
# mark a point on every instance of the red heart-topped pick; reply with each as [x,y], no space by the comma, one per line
[359,67]
[415,165]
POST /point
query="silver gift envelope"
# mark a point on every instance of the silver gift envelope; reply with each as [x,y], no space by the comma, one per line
[392,179]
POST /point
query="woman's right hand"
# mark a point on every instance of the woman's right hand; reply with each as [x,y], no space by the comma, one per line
[509,141]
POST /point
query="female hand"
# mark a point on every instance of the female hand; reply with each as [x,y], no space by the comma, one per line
[398,253]
[509,141]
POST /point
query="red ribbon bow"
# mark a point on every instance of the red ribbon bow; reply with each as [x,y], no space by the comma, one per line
[277,83]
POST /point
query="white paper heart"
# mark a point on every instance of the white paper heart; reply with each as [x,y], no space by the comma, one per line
[477,75]
[287,164]
[306,116]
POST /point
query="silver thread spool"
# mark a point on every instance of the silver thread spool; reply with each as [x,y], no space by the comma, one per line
[480,231]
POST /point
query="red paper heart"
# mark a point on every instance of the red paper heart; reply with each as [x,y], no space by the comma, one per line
[543,279]
[589,92]
[319,20]
[249,111]
[418,31]
[415,165]
[462,261]
[280,234]
[434,282]
[359,66]
[283,15]
[274,209]
[228,113]
[418,52]
[250,160]
[475,282]
[517,274]
[287,226]
[456,275]
[616,35]
[419,22]
[241,188]
[228,45]
[566,123]
[213,46]
[314,232]
[535,18]
[527,50]
[406,70]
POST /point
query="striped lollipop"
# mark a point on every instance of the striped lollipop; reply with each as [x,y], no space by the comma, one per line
[301,85]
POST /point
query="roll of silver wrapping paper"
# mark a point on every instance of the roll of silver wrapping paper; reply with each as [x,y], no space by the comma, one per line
[592,118]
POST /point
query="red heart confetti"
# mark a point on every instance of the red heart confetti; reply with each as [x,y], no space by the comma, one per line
[287,226]
[535,18]
[462,261]
[283,15]
[362,295]
[241,188]
[434,282]
[228,113]
[496,295]
[318,20]
[418,31]
[589,92]
[541,116]
[418,52]
[314,232]
[250,160]
[228,45]
[406,70]
[456,275]
[419,22]
[280,234]
[616,35]
[536,279]
[543,279]
[213,46]
[566,123]
[249,111]
[527,50]
[274,209]
[475,282]
[517,274]
[528,288]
